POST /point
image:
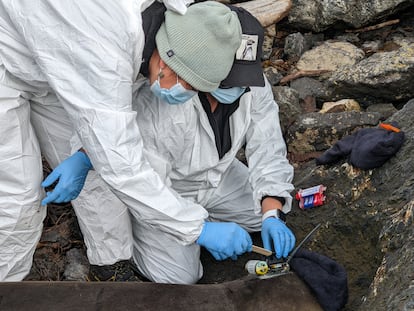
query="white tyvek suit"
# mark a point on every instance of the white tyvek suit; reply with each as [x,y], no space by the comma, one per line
[70,65]
[180,144]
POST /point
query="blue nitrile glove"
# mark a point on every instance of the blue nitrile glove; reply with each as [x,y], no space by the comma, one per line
[71,174]
[274,230]
[224,239]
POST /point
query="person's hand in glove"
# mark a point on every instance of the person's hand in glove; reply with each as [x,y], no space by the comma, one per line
[71,174]
[276,235]
[224,240]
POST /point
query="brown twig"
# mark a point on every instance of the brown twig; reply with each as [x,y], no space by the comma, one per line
[375,27]
[61,217]
[302,73]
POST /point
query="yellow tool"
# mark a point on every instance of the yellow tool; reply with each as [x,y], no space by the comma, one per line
[271,267]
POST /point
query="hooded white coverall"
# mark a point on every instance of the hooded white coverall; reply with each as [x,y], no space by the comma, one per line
[180,144]
[66,74]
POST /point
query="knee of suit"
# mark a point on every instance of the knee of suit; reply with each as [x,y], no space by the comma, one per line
[184,277]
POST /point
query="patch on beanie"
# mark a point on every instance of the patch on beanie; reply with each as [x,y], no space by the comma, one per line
[248,48]
[170,53]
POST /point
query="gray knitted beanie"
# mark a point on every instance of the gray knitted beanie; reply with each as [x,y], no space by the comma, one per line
[200,45]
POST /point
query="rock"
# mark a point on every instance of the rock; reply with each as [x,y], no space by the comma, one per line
[387,76]
[310,87]
[295,45]
[289,106]
[77,265]
[386,110]
[397,242]
[395,206]
[318,132]
[273,75]
[330,55]
[340,106]
[319,15]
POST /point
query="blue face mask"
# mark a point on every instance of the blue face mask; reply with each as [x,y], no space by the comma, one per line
[175,95]
[228,96]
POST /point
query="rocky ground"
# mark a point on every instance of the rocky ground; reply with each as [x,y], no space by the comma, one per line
[366,219]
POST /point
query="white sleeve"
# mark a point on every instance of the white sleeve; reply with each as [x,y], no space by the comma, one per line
[179,6]
[270,171]
[90,52]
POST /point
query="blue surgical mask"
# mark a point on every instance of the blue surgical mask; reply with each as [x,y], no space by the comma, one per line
[228,96]
[175,95]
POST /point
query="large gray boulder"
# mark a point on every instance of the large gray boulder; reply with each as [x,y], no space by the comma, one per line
[387,76]
[319,15]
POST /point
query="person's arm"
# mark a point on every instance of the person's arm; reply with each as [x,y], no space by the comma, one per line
[90,53]
[270,203]
[270,172]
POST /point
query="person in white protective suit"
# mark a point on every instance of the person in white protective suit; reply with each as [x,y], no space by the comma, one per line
[193,148]
[67,72]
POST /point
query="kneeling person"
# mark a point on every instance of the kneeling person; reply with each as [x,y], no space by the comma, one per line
[193,148]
